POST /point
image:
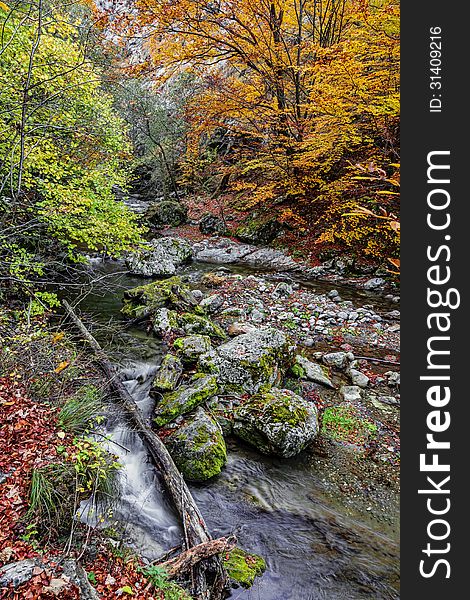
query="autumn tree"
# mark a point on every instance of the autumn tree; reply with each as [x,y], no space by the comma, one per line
[304,89]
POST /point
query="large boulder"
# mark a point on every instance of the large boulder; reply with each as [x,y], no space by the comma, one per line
[160,258]
[258,231]
[277,422]
[145,300]
[198,447]
[168,374]
[249,361]
[210,224]
[184,399]
[167,212]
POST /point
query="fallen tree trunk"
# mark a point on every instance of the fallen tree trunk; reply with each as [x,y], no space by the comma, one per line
[185,561]
[195,529]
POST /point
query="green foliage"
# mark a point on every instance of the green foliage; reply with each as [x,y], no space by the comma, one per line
[158,577]
[62,145]
[81,410]
[344,423]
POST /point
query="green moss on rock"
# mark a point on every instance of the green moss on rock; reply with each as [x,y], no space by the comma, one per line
[192,347]
[198,447]
[168,374]
[146,299]
[198,324]
[243,567]
[184,399]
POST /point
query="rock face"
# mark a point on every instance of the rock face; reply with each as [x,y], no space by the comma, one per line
[184,399]
[277,422]
[198,447]
[167,212]
[210,223]
[249,361]
[192,347]
[168,374]
[160,258]
[313,371]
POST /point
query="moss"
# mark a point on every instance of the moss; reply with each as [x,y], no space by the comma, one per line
[191,347]
[144,299]
[197,324]
[198,448]
[298,371]
[345,424]
[243,567]
[168,373]
[183,400]
[277,407]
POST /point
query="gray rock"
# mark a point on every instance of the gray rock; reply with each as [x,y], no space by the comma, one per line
[374,283]
[257,316]
[277,422]
[333,294]
[358,378]
[250,360]
[168,374]
[160,258]
[339,360]
[198,447]
[164,321]
[226,254]
[314,372]
[350,393]
[17,573]
[210,224]
[393,378]
[192,347]
[184,399]
[167,212]
[283,290]
[197,295]
[389,400]
[212,303]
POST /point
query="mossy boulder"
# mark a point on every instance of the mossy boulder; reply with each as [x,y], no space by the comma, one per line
[167,212]
[249,361]
[144,300]
[192,323]
[277,422]
[258,231]
[242,567]
[168,374]
[192,347]
[198,447]
[184,399]
[164,321]
[210,224]
[161,257]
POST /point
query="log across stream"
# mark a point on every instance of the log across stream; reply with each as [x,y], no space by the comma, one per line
[317,544]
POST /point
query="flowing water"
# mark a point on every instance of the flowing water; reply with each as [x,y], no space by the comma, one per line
[316,546]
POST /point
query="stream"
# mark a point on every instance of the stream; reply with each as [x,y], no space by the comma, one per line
[316,545]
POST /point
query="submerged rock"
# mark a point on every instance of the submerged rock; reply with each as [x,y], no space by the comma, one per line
[184,399]
[160,258]
[192,346]
[198,447]
[242,567]
[167,212]
[249,361]
[168,374]
[277,422]
[312,371]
